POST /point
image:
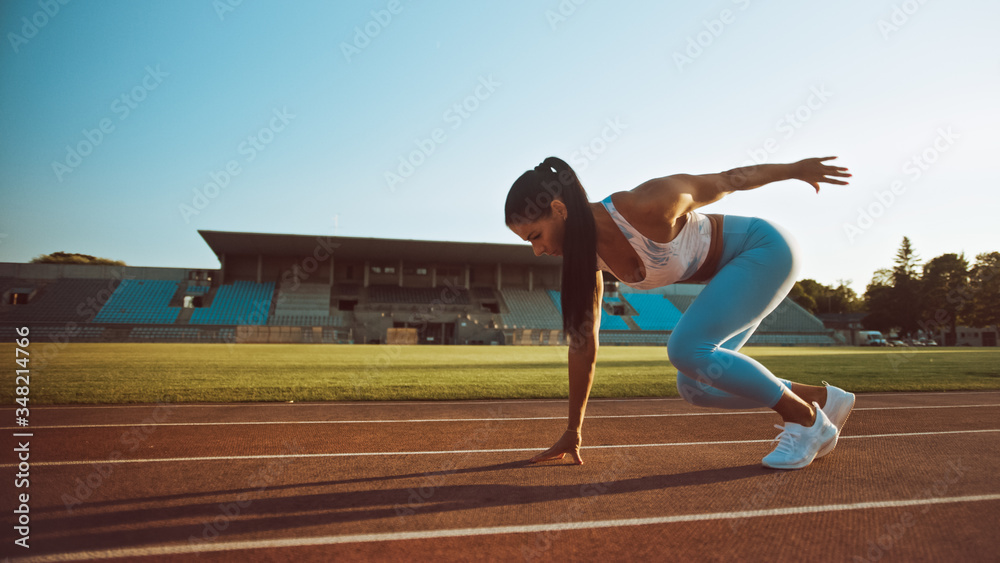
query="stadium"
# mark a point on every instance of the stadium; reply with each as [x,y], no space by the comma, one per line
[284,288]
[289,281]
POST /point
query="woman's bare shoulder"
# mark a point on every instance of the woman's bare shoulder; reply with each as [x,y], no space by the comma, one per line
[658,199]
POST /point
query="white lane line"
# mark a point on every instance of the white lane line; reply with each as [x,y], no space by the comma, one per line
[470,402]
[496,419]
[461,452]
[206,547]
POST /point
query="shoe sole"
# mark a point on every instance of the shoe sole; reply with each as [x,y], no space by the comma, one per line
[804,463]
[828,447]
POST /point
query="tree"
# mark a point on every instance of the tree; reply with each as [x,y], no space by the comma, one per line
[73,258]
[821,299]
[878,302]
[845,299]
[905,293]
[801,295]
[982,309]
[906,262]
[944,284]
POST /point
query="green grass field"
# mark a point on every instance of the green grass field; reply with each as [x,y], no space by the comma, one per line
[139,373]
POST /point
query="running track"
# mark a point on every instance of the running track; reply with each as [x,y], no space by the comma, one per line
[913,478]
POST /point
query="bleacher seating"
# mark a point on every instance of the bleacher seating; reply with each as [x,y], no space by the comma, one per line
[612,322]
[530,309]
[185,334]
[140,301]
[302,305]
[56,301]
[304,320]
[790,317]
[763,339]
[242,303]
[483,293]
[635,338]
[681,302]
[655,312]
[392,294]
[608,321]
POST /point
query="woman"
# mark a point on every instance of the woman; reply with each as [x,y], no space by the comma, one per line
[652,236]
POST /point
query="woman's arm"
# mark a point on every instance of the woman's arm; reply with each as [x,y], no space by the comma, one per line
[686,192]
[582,362]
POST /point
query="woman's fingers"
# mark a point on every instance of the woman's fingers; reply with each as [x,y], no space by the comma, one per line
[568,443]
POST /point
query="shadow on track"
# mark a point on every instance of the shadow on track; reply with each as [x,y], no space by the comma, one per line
[281,507]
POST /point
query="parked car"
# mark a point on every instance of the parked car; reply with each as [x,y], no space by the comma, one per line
[871,338]
[897,343]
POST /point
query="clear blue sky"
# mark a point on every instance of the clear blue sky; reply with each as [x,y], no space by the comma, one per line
[310,117]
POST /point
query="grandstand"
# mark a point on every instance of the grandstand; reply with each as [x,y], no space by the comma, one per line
[139,302]
[297,288]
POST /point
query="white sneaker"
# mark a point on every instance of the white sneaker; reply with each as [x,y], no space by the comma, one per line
[798,445]
[839,404]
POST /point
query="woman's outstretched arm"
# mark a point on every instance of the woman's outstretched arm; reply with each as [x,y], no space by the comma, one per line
[687,192]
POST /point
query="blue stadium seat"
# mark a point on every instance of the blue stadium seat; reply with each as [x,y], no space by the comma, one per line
[140,301]
[241,303]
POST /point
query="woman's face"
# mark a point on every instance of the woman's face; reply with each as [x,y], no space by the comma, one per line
[545,234]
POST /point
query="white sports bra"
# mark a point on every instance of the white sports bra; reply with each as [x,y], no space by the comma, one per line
[666,262]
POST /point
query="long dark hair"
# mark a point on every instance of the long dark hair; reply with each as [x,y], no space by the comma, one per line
[530,199]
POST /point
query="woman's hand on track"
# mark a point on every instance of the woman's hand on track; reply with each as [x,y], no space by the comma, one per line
[812,171]
[568,443]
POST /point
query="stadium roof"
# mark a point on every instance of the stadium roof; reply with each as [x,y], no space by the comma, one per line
[352,248]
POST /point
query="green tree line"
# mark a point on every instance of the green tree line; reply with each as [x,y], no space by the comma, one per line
[945,292]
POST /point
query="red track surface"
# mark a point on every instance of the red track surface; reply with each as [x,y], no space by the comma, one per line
[913,478]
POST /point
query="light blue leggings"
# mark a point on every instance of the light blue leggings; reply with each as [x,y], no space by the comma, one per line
[757,269]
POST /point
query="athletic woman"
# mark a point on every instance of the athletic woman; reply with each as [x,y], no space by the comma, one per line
[653,236]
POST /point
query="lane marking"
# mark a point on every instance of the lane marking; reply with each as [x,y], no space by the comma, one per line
[496,419]
[459,452]
[206,547]
[427,403]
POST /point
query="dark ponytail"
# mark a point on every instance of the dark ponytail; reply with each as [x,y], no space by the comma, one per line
[530,199]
